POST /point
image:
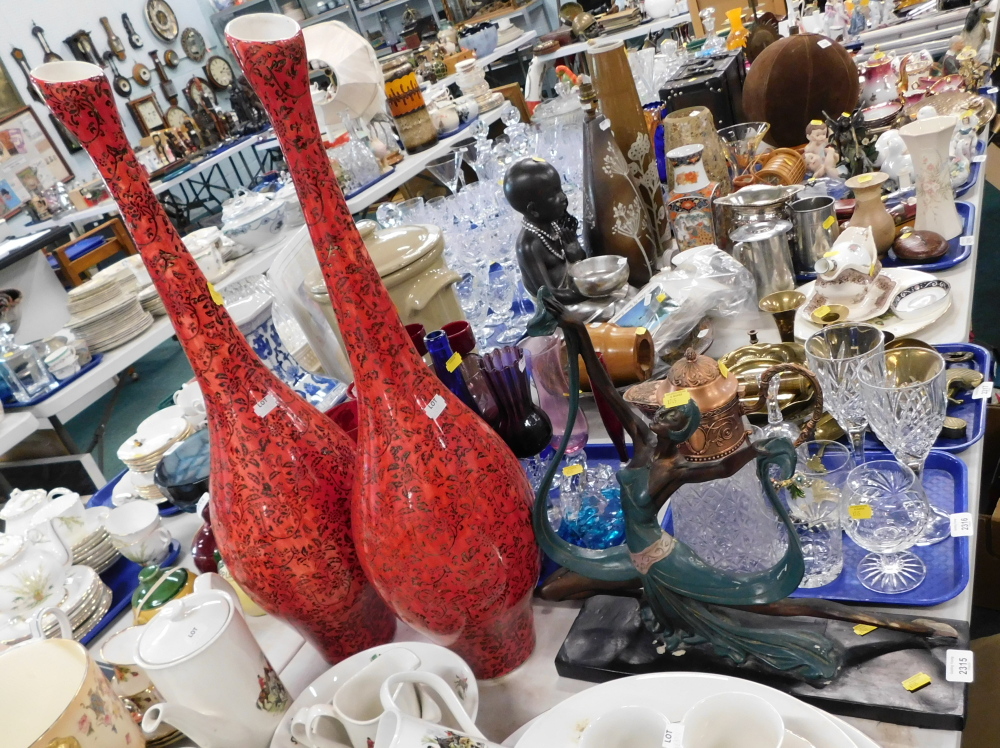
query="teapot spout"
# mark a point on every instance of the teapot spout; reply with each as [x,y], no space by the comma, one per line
[205,730]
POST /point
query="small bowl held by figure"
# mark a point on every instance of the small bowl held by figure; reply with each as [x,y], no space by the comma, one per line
[919,246]
[597,277]
[183,472]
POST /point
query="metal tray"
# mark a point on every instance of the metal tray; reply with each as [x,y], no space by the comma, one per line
[971,411]
[946,482]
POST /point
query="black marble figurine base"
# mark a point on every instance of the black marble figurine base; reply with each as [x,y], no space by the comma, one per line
[608,640]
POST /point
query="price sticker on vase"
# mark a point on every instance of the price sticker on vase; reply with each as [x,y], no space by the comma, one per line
[961,525]
[435,407]
[958,666]
[265,405]
[860,511]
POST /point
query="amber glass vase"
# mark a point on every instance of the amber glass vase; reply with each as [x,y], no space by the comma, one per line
[442,508]
[282,473]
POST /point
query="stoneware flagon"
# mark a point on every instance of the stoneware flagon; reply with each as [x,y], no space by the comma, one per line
[281,472]
[441,513]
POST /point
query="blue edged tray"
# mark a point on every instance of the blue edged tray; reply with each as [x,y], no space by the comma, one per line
[103,497]
[973,412]
[946,482]
[976,168]
[12,404]
[957,251]
[122,578]
[374,181]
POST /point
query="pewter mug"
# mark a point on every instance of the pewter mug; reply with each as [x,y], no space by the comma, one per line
[816,229]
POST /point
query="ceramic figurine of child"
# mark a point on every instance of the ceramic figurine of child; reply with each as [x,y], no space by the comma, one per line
[548,243]
[821,157]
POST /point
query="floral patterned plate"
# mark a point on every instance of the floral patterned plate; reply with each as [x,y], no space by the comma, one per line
[433,659]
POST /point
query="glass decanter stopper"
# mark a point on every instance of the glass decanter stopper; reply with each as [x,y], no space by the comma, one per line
[23,370]
[777,426]
[713,42]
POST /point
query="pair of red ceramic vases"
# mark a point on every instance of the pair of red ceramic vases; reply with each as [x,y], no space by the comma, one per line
[428,516]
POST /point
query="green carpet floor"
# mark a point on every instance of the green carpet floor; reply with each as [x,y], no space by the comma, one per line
[985,317]
[160,373]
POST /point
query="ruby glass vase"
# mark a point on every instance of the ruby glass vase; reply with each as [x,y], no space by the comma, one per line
[442,508]
[281,472]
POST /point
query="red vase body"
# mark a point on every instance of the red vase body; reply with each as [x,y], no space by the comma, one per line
[442,517]
[282,473]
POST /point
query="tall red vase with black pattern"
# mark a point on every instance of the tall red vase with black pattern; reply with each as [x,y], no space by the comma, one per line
[442,516]
[281,472]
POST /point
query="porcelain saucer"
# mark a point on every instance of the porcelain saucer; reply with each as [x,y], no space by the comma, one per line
[434,659]
[79,585]
[672,694]
[887,321]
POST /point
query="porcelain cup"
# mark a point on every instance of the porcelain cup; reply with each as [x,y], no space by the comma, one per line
[54,694]
[732,719]
[357,705]
[136,532]
[209,260]
[398,729]
[627,727]
[191,400]
[68,517]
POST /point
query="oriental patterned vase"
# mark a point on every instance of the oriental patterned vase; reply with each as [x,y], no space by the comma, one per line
[282,473]
[442,508]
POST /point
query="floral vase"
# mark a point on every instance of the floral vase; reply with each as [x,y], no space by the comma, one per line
[928,141]
[620,104]
[690,204]
[615,221]
[694,125]
[281,472]
[442,508]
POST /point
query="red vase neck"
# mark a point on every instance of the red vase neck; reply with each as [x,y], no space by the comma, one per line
[278,73]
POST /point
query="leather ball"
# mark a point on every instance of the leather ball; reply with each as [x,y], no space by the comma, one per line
[794,81]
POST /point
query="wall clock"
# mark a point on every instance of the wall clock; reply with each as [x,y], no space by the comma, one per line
[219,72]
[147,113]
[161,19]
[193,44]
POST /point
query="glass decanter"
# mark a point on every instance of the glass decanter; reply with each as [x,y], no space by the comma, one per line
[522,425]
[23,370]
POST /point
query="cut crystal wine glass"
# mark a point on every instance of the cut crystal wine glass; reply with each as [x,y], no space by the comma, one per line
[836,354]
[885,512]
[905,397]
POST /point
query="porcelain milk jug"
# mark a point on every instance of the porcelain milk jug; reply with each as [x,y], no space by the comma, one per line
[219,688]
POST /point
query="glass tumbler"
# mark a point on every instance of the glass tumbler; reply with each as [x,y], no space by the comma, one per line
[813,497]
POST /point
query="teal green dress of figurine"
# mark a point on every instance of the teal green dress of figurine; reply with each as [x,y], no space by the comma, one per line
[681,591]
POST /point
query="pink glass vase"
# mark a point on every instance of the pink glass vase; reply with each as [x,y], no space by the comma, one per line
[442,509]
[281,472]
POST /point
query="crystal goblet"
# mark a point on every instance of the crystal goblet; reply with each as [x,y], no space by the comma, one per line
[884,512]
[836,354]
[905,397]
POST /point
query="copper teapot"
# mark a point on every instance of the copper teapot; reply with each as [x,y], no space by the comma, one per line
[716,392]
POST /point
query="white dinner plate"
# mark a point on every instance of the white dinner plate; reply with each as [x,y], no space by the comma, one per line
[672,694]
[434,659]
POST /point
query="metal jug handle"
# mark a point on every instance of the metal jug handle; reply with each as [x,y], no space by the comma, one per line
[809,427]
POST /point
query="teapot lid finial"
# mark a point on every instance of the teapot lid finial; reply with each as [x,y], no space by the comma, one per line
[694,370]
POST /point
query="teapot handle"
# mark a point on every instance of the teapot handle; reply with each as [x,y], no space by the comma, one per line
[63,551]
[809,427]
[38,630]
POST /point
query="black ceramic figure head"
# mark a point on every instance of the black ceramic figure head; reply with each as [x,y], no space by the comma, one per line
[548,241]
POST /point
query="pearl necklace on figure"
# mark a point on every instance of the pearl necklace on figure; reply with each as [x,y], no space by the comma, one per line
[546,238]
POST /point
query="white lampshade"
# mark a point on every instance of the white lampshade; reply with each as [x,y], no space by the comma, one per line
[360,86]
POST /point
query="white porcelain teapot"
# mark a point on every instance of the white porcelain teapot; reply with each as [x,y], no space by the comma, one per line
[20,508]
[846,272]
[219,688]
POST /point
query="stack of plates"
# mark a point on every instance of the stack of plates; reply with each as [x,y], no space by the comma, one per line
[142,452]
[120,272]
[86,602]
[109,325]
[92,295]
[152,302]
[96,552]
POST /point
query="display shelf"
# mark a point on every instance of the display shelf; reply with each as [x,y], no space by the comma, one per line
[365,12]
[327,15]
[636,31]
